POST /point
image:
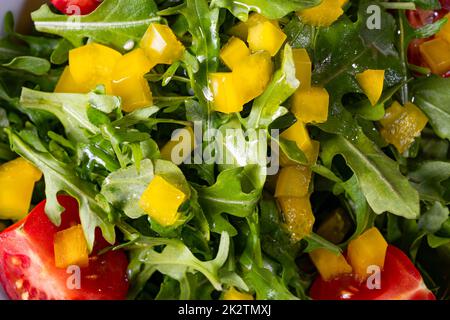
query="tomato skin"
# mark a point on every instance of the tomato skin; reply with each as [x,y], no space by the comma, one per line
[400,280]
[76,7]
[27,264]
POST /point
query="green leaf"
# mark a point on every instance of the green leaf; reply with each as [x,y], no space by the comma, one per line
[314,241]
[34,65]
[61,177]
[432,220]
[431,95]
[384,187]
[435,241]
[114,22]
[428,179]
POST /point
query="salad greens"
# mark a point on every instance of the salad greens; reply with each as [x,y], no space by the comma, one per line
[231,231]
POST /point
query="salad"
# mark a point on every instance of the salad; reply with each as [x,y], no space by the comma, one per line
[231,150]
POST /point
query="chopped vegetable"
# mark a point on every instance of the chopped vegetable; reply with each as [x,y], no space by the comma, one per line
[335,226]
[444,33]
[233,294]
[323,15]
[134,63]
[371,82]
[299,134]
[71,248]
[311,105]
[266,37]
[293,181]
[240,30]
[298,216]
[303,68]
[329,264]
[436,53]
[134,91]
[227,98]
[183,142]
[67,84]
[233,52]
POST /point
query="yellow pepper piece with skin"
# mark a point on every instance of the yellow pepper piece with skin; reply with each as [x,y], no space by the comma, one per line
[161,44]
[233,294]
[401,125]
[367,250]
[134,63]
[371,82]
[311,105]
[293,181]
[329,264]
[444,33]
[266,37]
[436,54]
[161,201]
[233,52]
[70,248]
[311,153]
[298,216]
[183,142]
[93,64]
[323,15]
[67,84]
[335,226]
[252,75]
[226,97]
[240,30]
[17,179]
[299,134]
[303,68]
[134,91]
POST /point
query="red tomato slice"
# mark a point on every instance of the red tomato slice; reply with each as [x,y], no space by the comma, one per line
[399,280]
[76,7]
[27,263]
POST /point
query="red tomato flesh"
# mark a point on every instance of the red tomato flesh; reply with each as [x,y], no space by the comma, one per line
[399,280]
[76,7]
[27,262]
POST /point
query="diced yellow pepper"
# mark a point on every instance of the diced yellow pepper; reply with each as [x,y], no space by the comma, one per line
[371,82]
[93,64]
[161,45]
[17,179]
[303,67]
[311,105]
[311,153]
[70,248]
[323,15]
[293,181]
[134,63]
[436,54]
[266,37]
[401,125]
[240,30]
[335,226]
[134,91]
[233,52]
[444,33]
[233,294]
[329,264]
[299,134]
[184,142]
[67,84]
[227,98]
[253,74]
[369,249]
[298,216]
[161,201]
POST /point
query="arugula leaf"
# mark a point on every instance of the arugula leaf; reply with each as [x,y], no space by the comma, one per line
[384,187]
[34,65]
[114,22]
[62,177]
[433,219]
[428,179]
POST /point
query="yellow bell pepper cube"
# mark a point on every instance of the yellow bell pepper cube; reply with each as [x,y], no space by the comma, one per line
[17,179]
[226,96]
[233,52]
[311,153]
[323,15]
[299,134]
[70,248]
[303,68]
[134,63]
[183,142]
[293,181]
[298,216]
[134,91]
[253,74]
[371,82]
[444,33]
[329,264]
[335,226]
[161,44]
[93,64]
[161,201]
[67,84]
[266,37]
[436,54]
[369,249]
[311,105]
[401,125]
[240,30]
[233,294]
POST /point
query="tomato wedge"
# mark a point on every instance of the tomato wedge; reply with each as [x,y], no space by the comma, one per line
[27,263]
[76,7]
[400,280]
